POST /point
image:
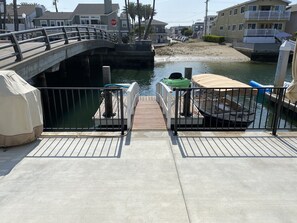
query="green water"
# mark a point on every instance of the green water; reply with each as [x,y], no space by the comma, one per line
[243,71]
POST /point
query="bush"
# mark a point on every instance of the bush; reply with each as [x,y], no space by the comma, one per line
[125,39]
[213,38]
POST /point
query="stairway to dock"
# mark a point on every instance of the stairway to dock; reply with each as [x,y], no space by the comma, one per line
[148,115]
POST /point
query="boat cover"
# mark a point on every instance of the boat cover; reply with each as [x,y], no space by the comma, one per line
[21,118]
[292,89]
[216,81]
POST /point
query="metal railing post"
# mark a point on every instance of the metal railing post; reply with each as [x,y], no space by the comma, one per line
[46,39]
[65,35]
[88,32]
[279,104]
[16,47]
[78,34]
[176,110]
[122,112]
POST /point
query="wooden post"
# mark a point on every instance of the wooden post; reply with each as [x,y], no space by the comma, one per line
[107,93]
[187,96]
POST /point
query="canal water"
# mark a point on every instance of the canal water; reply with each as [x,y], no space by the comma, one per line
[243,71]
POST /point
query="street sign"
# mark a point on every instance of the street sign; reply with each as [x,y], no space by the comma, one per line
[113,22]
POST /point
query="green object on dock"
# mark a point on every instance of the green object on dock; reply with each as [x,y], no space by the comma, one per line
[180,83]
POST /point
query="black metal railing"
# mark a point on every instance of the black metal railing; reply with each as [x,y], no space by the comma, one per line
[83,109]
[233,109]
[14,42]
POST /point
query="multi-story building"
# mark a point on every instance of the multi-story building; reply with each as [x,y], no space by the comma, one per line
[158,32]
[291,26]
[209,23]
[254,21]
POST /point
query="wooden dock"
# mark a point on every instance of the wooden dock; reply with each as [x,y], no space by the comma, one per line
[148,115]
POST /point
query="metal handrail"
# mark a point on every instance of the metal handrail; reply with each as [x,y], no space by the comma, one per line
[50,36]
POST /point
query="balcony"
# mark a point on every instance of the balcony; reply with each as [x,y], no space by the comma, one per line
[267,15]
[261,32]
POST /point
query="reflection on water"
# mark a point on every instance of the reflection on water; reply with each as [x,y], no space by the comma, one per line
[242,71]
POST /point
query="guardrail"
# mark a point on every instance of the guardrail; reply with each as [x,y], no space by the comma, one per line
[260,32]
[132,100]
[235,109]
[165,99]
[47,37]
[267,15]
[78,109]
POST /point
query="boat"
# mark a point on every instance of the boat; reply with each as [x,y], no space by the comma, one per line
[224,102]
[176,80]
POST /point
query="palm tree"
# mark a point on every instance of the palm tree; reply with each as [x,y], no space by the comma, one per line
[15,15]
[55,3]
[147,28]
[132,11]
[127,15]
[139,19]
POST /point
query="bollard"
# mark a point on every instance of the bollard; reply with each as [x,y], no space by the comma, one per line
[107,93]
[187,96]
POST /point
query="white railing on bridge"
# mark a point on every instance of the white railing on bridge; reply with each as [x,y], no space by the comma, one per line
[165,99]
[267,15]
[260,32]
[132,100]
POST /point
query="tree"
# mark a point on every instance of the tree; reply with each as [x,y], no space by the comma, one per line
[147,28]
[132,11]
[55,3]
[139,19]
[127,15]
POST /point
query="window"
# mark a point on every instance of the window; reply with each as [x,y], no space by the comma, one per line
[242,10]
[52,23]
[278,26]
[252,8]
[124,24]
[43,23]
[233,27]
[230,13]
[235,11]
[240,26]
[279,8]
[251,26]
[221,27]
[229,27]
[222,14]
[60,23]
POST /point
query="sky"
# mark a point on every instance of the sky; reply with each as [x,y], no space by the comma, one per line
[173,12]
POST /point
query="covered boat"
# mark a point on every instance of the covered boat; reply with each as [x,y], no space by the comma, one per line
[21,119]
[224,102]
[177,80]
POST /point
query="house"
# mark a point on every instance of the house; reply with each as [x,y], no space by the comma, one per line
[102,16]
[123,25]
[209,23]
[158,31]
[26,14]
[254,21]
[291,26]
[176,31]
[54,19]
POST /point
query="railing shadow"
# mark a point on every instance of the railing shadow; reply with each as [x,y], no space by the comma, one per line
[82,147]
[10,157]
[236,147]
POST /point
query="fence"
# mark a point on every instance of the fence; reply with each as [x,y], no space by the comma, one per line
[83,109]
[47,37]
[233,109]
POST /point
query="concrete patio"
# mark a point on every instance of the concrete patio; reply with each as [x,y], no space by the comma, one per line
[151,177]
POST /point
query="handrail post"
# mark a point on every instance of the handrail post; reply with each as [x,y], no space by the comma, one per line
[88,32]
[176,110]
[65,35]
[277,110]
[122,112]
[46,39]
[78,33]
[169,99]
[16,47]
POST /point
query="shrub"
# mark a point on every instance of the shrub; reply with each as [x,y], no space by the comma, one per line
[213,38]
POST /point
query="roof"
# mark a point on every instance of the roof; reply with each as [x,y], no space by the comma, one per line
[27,9]
[56,15]
[96,9]
[293,8]
[217,81]
[248,2]
[157,23]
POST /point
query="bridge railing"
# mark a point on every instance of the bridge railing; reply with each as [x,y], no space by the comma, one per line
[132,100]
[164,98]
[13,44]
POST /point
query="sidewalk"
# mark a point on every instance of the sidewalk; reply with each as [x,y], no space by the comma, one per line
[151,177]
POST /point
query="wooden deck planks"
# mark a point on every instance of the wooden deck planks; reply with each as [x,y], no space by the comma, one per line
[148,115]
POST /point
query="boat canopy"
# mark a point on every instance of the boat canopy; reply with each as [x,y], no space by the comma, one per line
[216,81]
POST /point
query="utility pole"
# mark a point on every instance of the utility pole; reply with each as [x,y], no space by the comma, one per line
[205,20]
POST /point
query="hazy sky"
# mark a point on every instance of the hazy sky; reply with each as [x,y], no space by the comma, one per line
[173,12]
